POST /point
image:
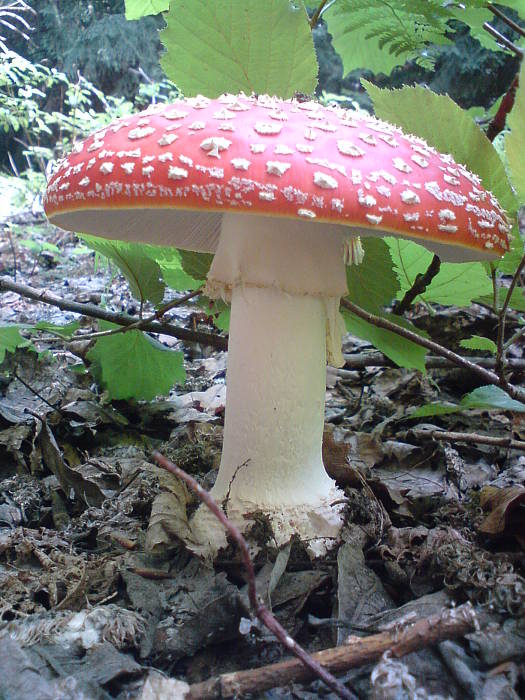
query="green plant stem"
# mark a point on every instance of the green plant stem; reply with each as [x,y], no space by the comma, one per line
[211,339]
[485,374]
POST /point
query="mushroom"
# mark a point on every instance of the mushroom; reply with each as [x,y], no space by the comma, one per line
[276,189]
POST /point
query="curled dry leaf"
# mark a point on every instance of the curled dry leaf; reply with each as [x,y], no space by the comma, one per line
[506,512]
[168,520]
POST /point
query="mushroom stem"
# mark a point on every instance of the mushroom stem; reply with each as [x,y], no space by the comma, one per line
[283,318]
[275,405]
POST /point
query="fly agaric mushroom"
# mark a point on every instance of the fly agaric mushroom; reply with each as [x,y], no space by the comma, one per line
[275,188]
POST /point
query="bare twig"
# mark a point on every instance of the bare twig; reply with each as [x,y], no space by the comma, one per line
[36,393]
[363,360]
[13,249]
[358,651]
[502,39]
[502,317]
[419,286]
[142,323]
[469,438]
[93,311]
[508,21]
[258,607]
[487,376]
[498,121]
[317,14]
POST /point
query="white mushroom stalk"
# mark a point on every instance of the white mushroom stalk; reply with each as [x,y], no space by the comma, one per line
[284,281]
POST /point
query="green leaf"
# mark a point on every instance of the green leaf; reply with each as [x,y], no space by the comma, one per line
[65,331]
[256,46]
[357,47]
[456,284]
[478,342]
[135,9]
[403,352]
[488,398]
[517,299]
[136,262]
[170,261]
[219,310]
[132,365]
[372,285]
[448,128]
[510,261]
[10,340]
[515,140]
[196,264]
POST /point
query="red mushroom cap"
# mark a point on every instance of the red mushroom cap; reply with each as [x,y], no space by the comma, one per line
[166,175]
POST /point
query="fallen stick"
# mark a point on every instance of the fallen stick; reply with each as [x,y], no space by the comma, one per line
[469,438]
[359,651]
[93,311]
[305,660]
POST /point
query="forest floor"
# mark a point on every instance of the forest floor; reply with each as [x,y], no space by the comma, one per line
[100,598]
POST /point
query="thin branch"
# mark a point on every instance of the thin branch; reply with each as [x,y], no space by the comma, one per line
[317,14]
[357,652]
[93,311]
[469,438]
[419,286]
[513,339]
[377,359]
[508,21]
[502,39]
[258,607]
[142,322]
[499,120]
[37,394]
[485,374]
[502,317]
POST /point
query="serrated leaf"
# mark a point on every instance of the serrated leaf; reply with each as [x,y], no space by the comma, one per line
[357,48]
[135,9]
[10,340]
[136,263]
[456,284]
[440,121]
[372,285]
[515,139]
[172,269]
[62,331]
[132,365]
[517,299]
[218,46]
[475,17]
[488,398]
[196,264]
[478,342]
[218,309]
[510,261]
[403,352]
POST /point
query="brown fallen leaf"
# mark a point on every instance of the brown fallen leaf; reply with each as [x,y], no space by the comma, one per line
[506,512]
